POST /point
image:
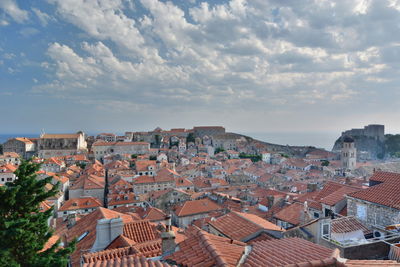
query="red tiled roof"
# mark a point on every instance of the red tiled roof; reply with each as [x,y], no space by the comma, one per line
[88,224]
[197,206]
[139,231]
[241,226]
[202,249]
[99,143]
[88,182]
[153,214]
[120,199]
[348,224]
[58,136]
[80,203]
[288,252]
[127,261]
[291,213]
[386,193]
[338,195]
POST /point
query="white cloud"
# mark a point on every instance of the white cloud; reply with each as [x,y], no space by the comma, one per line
[42,16]
[10,7]
[258,55]
[29,31]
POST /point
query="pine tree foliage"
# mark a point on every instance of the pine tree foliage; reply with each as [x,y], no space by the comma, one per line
[24,228]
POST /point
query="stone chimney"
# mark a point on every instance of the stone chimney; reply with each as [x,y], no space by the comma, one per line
[71,219]
[106,231]
[168,238]
[311,187]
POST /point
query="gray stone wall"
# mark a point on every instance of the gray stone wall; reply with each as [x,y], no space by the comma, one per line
[375,214]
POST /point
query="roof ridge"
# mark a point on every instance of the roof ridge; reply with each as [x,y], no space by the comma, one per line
[210,247]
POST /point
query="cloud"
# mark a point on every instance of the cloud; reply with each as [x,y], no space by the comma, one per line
[243,56]
[10,7]
[42,16]
[29,31]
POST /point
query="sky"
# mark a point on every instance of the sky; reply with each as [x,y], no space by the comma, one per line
[256,66]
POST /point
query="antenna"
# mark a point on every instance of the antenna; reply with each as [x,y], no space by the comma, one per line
[42,132]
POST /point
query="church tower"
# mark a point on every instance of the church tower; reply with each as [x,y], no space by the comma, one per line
[348,154]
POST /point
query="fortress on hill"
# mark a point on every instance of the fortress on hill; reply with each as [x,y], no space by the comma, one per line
[375,131]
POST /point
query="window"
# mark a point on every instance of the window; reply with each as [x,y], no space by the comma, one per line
[361,212]
[82,236]
[316,215]
[325,229]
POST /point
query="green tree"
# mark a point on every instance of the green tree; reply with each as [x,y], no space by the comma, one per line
[133,156]
[219,149]
[190,138]
[1,149]
[325,163]
[153,157]
[23,227]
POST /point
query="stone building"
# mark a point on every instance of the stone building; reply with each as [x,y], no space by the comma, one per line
[226,141]
[20,145]
[101,149]
[55,145]
[200,131]
[380,203]
[348,154]
[375,131]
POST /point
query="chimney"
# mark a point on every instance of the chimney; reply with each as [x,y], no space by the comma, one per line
[71,219]
[106,190]
[311,187]
[106,231]
[168,238]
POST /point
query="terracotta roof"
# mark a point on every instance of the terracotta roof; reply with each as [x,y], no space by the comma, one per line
[241,226]
[205,250]
[261,237]
[289,252]
[338,195]
[24,139]
[8,168]
[127,261]
[139,231]
[59,136]
[386,193]
[119,143]
[80,203]
[153,214]
[88,182]
[120,199]
[88,224]
[197,206]
[348,224]
[142,165]
[183,182]
[291,213]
